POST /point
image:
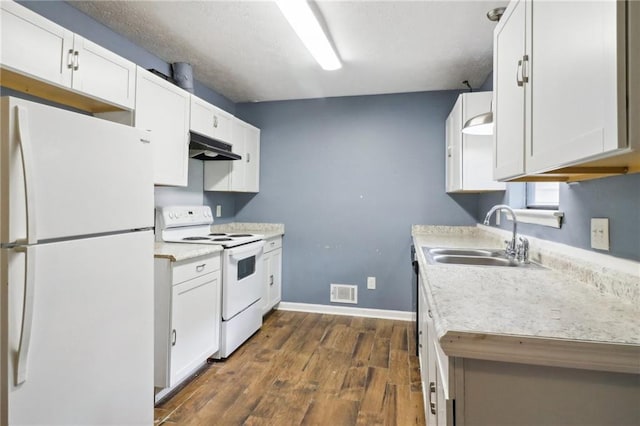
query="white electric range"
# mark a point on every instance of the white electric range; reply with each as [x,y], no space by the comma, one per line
[241,268]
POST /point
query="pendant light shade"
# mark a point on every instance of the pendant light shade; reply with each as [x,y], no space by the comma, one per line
[481,124]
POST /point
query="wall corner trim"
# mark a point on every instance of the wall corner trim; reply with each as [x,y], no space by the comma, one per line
[343,310]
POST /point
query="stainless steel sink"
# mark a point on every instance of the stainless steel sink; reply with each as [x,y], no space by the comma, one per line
[465,252]
[472,257]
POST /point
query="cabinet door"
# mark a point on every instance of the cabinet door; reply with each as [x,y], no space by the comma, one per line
[163,109]
[454,147]
[266,282]
[576,98]
[476,151]
[209,120]
[509,98]
[423,338]
[275,278]
[101,73]
[34,45]
[237,180]
[195,321]
[431,405]
[252,163]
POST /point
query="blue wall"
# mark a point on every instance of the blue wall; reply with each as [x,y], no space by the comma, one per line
[348,177]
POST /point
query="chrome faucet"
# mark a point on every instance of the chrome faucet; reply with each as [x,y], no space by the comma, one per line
[514,249]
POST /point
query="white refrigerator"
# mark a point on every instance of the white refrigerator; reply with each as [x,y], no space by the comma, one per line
[76,297]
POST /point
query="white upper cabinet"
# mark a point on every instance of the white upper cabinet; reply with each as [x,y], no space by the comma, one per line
[563,74]
[34,45]
[251,159]
[38,49]
[163,109]
[509,95]
[103,74]
[469,157]
[210,121]
[238,175]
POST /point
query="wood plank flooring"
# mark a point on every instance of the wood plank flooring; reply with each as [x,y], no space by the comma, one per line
[308,369]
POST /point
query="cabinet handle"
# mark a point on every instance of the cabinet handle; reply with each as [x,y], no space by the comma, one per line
[143,140]
[248,157]
[273,243]
[215,121]
[525,69]
[518,70]
[200,268]
[430,313]
[432,390]
[449,151]
[76,60]
[175,337]
[270,279]
[70,59]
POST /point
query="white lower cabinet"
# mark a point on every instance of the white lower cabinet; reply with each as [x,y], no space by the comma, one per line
[272,282]
[238,175]
[434,368]
[187,316]
[475,391]
[163,110]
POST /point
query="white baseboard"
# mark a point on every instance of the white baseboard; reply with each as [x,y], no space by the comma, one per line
[343,310]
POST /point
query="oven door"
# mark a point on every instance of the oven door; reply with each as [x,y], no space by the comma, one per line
[241,278]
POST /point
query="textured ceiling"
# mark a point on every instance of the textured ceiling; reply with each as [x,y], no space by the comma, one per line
[246,50]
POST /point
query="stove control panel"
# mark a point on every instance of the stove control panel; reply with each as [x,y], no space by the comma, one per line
[178,216]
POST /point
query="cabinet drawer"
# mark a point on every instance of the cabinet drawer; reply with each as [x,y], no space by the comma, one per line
[272,244]
[193,268]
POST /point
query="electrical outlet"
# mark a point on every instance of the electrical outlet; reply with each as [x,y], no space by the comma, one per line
[600,233]
[218,210]
[371,283]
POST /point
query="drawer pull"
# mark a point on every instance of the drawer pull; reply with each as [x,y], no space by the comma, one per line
[270,279]
[174,337]
[430,314]
[200,268]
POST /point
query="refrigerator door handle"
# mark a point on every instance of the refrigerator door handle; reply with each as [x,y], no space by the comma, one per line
[27,167]
[27,314]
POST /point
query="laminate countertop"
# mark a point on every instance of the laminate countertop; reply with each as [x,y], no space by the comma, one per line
[177,252]
[575,312]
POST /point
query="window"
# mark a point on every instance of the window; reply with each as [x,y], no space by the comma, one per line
[543,195]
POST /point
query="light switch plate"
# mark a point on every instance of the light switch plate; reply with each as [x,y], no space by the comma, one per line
[600,233]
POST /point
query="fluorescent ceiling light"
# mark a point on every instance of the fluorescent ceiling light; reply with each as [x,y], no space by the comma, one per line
[305,24]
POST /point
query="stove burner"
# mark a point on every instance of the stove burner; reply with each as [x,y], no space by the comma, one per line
[240,235]
[194,238]
[217,234]
[221,239]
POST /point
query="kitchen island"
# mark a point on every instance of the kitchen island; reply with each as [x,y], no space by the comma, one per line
[559,344]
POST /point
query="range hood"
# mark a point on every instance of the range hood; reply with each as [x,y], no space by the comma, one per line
[207,149]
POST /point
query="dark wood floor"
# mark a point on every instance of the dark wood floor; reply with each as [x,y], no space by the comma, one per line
[308,369]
